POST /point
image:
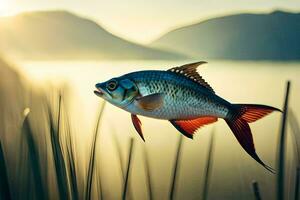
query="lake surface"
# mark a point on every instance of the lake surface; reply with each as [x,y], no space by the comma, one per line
[233,170]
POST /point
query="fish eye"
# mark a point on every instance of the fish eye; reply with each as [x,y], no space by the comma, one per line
[112,85]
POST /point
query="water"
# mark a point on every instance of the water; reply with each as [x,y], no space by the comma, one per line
[233,169]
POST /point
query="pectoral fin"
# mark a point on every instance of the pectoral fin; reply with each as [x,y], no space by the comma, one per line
[189,127]
[150,102]
[137,125]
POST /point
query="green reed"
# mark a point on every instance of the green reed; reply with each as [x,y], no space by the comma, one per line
[282,147]
[4,183]
[256,190]
[296,135]
[57,152]
[34,159]
[70,157]
[176,168]
[92,156]
[148,174]
[208,167]
[128,169]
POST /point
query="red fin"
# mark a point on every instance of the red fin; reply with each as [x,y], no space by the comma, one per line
[137,125]
[251,112]
[189,127]
[242,132]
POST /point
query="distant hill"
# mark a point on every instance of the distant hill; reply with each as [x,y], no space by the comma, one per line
[63,35]
[274,36]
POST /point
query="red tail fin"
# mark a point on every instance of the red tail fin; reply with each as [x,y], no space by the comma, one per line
[238,123]
[252,112]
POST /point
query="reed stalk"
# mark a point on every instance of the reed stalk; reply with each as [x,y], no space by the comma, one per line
[256,190]
[128,170]
[296,133]
[71,159]
[57,152]
[176,168]
[4,183]
[208,167]
[121,161]
[148,174]
[92,160]
[34,159]
[282,147]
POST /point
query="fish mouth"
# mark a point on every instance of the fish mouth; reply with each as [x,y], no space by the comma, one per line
[98,92]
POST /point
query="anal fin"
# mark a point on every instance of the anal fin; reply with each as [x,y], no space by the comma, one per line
[189,127]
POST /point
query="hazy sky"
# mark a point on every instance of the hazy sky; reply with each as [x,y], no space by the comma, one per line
[144,20]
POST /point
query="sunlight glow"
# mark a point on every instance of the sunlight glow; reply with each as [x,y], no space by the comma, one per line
[4,5]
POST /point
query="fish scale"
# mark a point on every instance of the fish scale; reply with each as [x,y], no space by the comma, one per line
[183,98]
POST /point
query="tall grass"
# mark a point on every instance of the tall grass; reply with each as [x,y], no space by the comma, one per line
[121,162]
[208,167]
[296,135]
[148,174]
[57,152]
[4,183]
[92,156]
[256,190]
[176,168]
[70,157]
[99,185]
[34,158]
[297,184]
[128,169]
[282,146]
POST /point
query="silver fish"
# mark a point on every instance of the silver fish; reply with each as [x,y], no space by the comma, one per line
[183,97]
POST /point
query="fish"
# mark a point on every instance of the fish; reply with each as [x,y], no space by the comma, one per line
[182,96]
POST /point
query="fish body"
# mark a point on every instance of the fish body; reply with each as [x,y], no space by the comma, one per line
[183,97]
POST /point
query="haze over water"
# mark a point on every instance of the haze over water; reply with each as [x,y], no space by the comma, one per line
[233,169]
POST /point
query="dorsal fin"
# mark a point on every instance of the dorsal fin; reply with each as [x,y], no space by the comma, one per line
[190,71]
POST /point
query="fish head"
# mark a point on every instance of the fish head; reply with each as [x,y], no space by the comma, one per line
[117,91]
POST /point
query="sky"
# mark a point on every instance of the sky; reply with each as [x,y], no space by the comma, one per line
[144,20]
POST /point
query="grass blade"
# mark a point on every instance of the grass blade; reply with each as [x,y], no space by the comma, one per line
[71,160]
[121,161]
[91,167]
[282,143]
[4,184]
[297,184]
[148,174]
[73,174]
[208,167]
[256,190]
[99,186]
[34,160]
[59,162]
[176,168]
[296,133]
[125,188]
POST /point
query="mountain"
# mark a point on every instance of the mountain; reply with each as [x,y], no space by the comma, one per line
[273,36]
[63,35]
